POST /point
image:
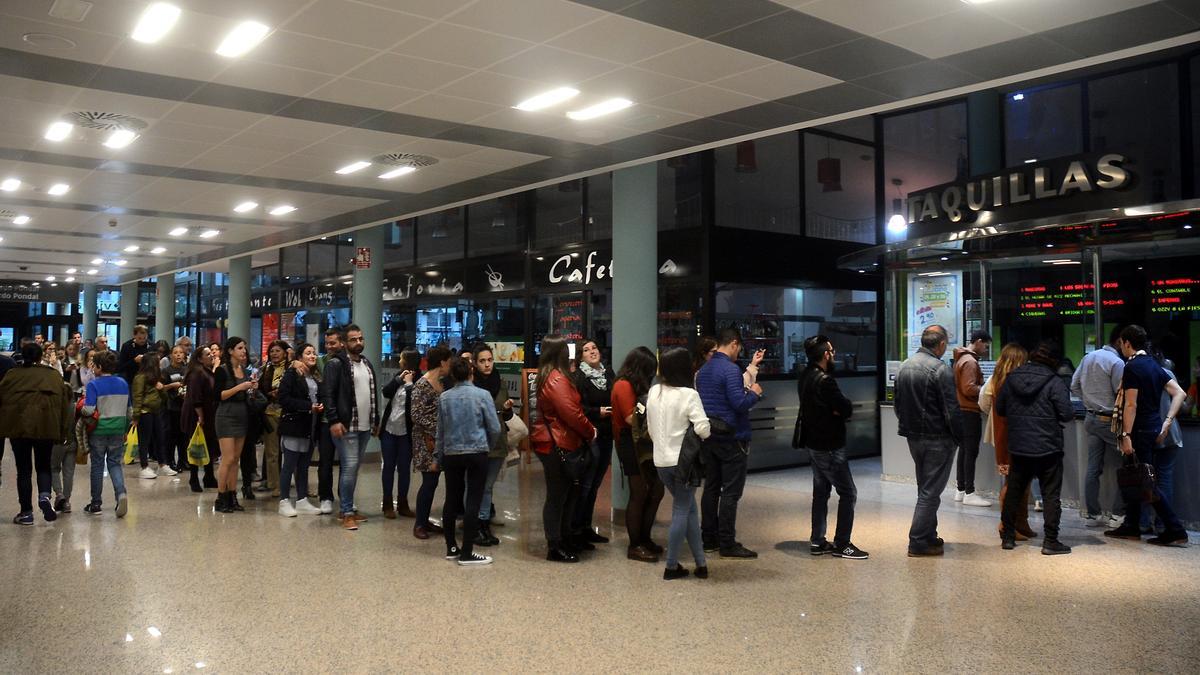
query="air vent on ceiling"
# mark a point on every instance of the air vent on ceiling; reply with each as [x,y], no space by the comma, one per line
[70,10]
[7,215]
[405,159]
[105,121]
[48,41]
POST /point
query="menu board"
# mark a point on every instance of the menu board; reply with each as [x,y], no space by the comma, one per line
[934,300]
[1175,294]
[1047,301]
[568,317]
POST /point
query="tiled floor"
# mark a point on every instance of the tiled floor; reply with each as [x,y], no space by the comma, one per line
[174,587]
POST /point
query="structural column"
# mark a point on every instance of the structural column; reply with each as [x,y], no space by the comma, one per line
[164,309]
[89,311]
[129,307]
[367,302]
[237,321]
[635,278]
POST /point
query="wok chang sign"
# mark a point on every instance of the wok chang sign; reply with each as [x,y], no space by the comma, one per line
[1028,191]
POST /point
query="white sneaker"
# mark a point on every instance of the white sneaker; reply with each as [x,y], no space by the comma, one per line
[959,495]
[164,470]
[148,473]
[1113,521]
[476,559]
[286,509]
[326,506]
[1038,506]
[975,500]
[305,507]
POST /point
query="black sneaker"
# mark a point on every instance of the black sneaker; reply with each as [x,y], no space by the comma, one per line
[93,509]
[851,552]
[738,551]
[475,559]
[47,510]
[710,545]
[1123,532]
[1179,539]
[595,537]
[702,572]
[1054,547]
[678,573]
[821,548]
[1008,544]
[452,553]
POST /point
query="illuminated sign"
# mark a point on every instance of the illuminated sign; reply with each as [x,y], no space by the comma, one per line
[1066,300]
[1175,294]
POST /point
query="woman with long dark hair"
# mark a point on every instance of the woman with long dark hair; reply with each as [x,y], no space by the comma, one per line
[395,435]
[232,382]
[149,402]
[488,379]
[706,346]
[424,407]
[594,381]
[1012,356]
[199,408]
[268,384]
[299,399]
[636,454]
[561,432]
[671,407]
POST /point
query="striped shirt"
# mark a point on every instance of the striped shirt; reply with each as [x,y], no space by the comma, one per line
[110,395]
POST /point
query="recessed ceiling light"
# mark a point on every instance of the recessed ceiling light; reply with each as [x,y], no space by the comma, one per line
[121,263]
[59,189]
[51,278]
[71,270]
[91,272]
[59,130]
[1018,97]
[1187,227]
[976,2]
[1031,160]
[97,261]
[245,206]
[37,283]
[131,248]
[282,210]
[398,172]
[158,250]
[10,184]
[21,220]
[155,22]
[69,279]
[610,106]
[209,234]
[120,138]
[244,37]
[347,283]
[547,99]
[178,232]
[351,168]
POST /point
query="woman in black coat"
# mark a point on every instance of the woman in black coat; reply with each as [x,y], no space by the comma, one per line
[299,397]
[594,380]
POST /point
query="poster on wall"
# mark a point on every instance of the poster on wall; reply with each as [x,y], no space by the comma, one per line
[312,335]
[934,300]
[270,331]
[568,316]
[287,328]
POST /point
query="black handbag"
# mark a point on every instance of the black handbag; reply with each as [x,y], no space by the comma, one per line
[574,464]
[1136,481]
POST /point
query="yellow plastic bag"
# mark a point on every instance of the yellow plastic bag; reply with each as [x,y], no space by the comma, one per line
[197,450]
[131,445]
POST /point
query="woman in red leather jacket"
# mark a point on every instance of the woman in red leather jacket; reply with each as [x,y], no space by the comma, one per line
[561,414]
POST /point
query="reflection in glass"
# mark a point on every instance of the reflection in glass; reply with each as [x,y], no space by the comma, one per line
[758,184]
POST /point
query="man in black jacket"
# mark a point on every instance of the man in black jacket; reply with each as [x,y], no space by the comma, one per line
[1037,404]
[352,411]
[129,360]
[823,414]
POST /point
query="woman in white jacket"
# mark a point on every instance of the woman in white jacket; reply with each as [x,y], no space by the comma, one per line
[671,406]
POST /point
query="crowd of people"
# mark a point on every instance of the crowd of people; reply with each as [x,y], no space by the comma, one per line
[678,421]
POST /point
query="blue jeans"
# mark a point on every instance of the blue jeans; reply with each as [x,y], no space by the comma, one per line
[1101,442]
[397,465]
[1164,478]
[685,518]
[107,451]
[350,449]
[830,471]
[493,472]
[297,453]
[589,488]
[933,456]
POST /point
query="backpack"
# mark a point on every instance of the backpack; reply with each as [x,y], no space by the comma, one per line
[641,434]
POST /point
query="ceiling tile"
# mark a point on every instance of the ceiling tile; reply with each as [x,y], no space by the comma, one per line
[917,80]
[970,29]
[1015,56]
[1124,29]
[786,35]
[449,108]
[493,88]
[704,101]
[1188,8]
[852,60]
[165,59]
[535,20]
[838,99]
[406,71]
[651,118]
[461,46]
[498,157]
[303,51]
[366,94]
[356,24]
[620,39]
[870,17]
[273,78]
[206,115]
[703,61]
[180,131]
[776,80]
[1036,15]
[553,66]
[715,17]
[433,9]
[520,120]
[270,12]
[768,115]
[634,84]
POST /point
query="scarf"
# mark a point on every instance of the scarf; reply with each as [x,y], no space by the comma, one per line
[597,375]
[491,383]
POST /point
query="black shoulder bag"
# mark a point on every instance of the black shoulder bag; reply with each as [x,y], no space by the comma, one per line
[574,464]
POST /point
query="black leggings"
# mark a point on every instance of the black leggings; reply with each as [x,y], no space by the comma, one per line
[464,474]
[561,496]
[30,453]
[429,483]
[646,492]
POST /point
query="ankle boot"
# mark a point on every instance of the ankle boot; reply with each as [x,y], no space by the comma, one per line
[389,511]
[220,505]
[403,510]
[248,493]
[233,501]
[210,481]
[194,483]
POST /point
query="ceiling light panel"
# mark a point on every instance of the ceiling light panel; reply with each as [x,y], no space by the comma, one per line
[59,189]
[92,272]
[97,261]
[132,248]
[244,37]
[351,168]
[158,250]
[21,220]
[548,99]
[178,232]
[282,210]
[71,270]
[120,138]
[59,131]
[156,21]
[209,234]
[397,172]
[245,206]
[608,107]
[121,263]
[10,184]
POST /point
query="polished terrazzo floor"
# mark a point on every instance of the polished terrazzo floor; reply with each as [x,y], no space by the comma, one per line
[174,587]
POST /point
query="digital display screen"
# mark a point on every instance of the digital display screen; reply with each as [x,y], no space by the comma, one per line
[1175,294]
[1067,300]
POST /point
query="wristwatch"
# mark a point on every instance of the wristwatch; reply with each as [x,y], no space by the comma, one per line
[1123,434]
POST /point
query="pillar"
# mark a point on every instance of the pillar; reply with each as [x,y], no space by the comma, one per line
[89,311]
[237,314]
[129,312]
[635,278]
[164,309]
[367,302]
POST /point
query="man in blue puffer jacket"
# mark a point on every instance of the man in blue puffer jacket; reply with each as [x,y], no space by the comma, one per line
[727,400]
[1037,404]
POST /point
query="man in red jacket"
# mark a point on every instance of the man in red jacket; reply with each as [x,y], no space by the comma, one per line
[968,380]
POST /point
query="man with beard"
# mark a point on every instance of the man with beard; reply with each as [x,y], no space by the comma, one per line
[352,411]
